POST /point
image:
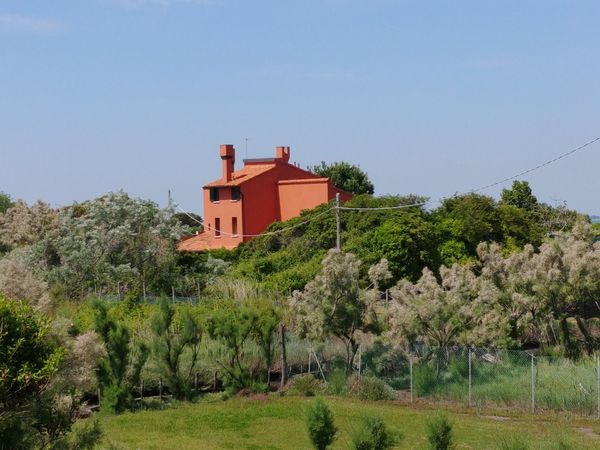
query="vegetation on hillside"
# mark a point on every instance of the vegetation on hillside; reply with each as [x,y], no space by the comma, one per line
[511,273]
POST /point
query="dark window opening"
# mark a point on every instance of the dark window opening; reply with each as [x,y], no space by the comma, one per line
[214,194]
[217,226]
[235,193]
[234,226]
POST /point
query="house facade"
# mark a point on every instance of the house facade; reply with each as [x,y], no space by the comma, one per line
[244,202]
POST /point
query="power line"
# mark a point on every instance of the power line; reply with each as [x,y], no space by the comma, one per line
[337,207]
[483,188]
[268,233]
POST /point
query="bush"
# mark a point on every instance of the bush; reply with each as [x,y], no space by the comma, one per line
[371,388]
[321,428]
[306,385]
[439,433]
[374,435]
[337,383]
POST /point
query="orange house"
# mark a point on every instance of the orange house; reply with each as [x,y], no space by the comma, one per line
[243,203]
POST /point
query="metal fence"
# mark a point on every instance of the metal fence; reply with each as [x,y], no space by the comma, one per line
[481,378]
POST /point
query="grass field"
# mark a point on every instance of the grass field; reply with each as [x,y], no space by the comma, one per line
[276,422]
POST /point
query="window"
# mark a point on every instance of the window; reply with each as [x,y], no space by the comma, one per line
[217,226]
[234,226]
[214,194]
[235,193]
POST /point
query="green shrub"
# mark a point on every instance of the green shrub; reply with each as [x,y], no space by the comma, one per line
[337,383]
[374,435]
[320,425]
[439,433]
[424,379]
[306,385]
[371,388]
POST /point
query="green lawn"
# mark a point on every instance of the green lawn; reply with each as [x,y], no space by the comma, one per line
[278,423]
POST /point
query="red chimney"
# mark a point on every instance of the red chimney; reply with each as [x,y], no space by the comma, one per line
[228,157]
[282,153]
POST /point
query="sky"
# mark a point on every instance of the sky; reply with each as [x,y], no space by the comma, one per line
[433,98]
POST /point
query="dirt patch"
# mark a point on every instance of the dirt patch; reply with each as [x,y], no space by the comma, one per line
[588,432]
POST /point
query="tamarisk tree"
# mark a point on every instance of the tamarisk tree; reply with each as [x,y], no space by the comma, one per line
[333,304]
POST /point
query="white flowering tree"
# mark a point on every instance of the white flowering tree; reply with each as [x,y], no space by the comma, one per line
[333,304]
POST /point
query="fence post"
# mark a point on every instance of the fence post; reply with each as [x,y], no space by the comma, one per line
[470,379]
[284,365]
[173,294]
[532,384]
[309,358]
[160,386]
[141,389]
[410,365]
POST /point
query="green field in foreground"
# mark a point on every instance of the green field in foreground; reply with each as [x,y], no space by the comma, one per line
[276,422]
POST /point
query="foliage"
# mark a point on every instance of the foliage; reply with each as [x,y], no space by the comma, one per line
[24,225]
[17,280]
[28,360]
[520,196]
[170,341]
[334,304]
[439,433]
[109,240]
[345,176]
[121,367]
[432,311]
[320,425]
[374,435]
[371,388]
[41,381]
[5,202]
[234,328]
[306,385]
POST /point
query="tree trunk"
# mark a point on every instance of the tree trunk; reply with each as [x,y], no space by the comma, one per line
[588,339]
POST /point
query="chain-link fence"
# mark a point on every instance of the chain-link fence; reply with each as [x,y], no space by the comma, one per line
[480,378]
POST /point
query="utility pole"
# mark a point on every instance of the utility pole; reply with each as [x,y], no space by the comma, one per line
[338,244]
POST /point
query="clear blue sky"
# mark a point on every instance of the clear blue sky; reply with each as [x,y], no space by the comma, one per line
[431,98]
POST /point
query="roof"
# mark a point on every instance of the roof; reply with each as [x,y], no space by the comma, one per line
[244,174]
[198,243]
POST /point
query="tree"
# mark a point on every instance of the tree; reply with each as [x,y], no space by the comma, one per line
[170,341]
[345,176]
[41,382]
[22,225]
[520,195]
[113,239]
[233,327]
[264,333]
[18,281]
[470,219]
[120,369]
[320,425]
[374,435]
[434,312]
[5,202]
[333,304]
[28,360]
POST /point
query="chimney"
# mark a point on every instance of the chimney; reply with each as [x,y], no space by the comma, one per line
[282,154]
[228,157]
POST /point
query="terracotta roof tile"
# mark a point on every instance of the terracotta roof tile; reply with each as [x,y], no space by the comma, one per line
[244,174]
